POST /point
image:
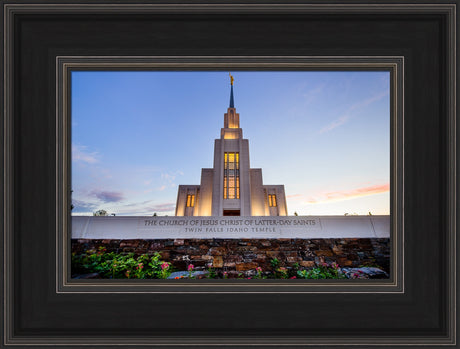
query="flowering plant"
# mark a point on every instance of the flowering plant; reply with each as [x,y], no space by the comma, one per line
[283,272]
[190,270]
[259,273]
[118,266]
[323,271]
[211,272]
[164,270]
[139,272]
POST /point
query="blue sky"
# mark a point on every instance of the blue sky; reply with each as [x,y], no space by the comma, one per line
[137,135]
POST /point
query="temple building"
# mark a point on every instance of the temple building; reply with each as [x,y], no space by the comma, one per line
[231,187]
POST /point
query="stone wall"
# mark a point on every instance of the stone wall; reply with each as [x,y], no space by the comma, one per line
[247,254]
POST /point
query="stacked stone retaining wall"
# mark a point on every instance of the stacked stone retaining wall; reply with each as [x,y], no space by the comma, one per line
[242,255]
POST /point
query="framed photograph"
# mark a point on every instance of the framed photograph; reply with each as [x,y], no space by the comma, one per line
[135,214]
[246,231]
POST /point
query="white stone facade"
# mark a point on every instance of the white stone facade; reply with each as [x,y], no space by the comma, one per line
[292,227]
[231,187]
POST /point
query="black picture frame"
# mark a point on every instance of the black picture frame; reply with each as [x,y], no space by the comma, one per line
[37,312]
[65,65]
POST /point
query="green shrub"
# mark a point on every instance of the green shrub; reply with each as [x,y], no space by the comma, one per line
[323,271]
[274,262]
[119,266]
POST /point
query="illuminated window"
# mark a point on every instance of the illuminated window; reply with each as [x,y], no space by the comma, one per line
[190,200]
[231,175]
[272,200]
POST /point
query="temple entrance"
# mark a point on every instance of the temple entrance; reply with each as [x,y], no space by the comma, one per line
[231,212]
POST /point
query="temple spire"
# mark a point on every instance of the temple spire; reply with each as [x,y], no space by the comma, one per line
[232,104]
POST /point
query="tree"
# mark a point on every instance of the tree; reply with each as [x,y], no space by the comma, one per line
[100,213]
[296,214]
[154,214]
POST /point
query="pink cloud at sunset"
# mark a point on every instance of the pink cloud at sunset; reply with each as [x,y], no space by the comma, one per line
[81,154]
[108,196]
[293,196]
[348,194]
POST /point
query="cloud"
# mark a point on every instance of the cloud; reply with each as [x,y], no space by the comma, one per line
[335,123]
[82,206]
[163,207]
[170,177]
[348,194]
[369,100]
[145,208]
[137,203]
[142,208]
[344,118]
[108,196]
[79,153]
[313,94]
[293,196]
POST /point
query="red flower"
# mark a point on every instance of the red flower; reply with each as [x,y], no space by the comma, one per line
[164,266]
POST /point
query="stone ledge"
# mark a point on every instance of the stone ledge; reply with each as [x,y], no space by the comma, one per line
[234,255]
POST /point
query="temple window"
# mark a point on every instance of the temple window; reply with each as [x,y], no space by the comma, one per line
[272,200]
[231,175]
[190,200]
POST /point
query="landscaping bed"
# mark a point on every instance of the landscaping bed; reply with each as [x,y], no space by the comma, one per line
[100,263]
